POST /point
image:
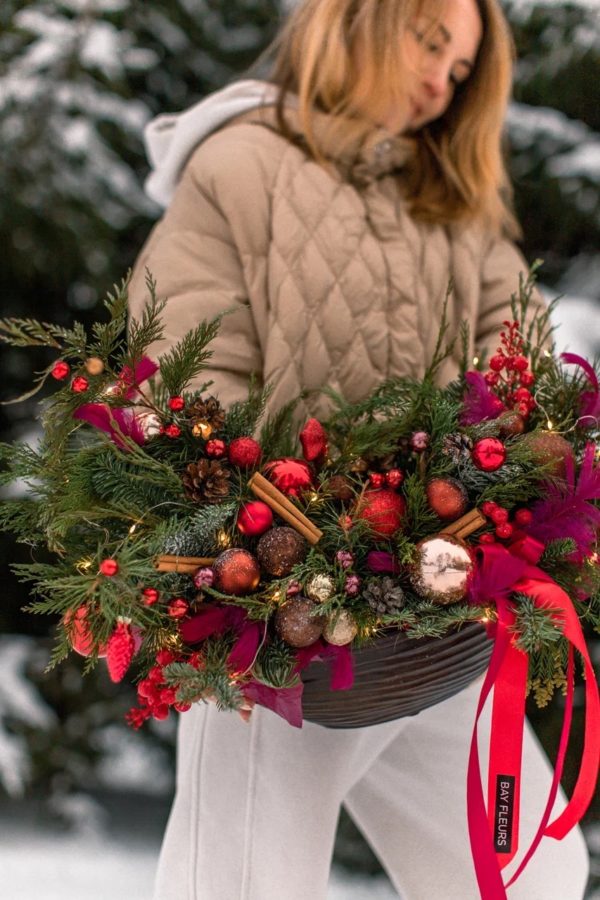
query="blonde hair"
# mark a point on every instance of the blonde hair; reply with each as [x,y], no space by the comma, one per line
[457,170]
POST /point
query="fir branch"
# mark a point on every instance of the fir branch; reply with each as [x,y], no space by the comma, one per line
[535,627]
[188,357]
[148,329]
[277,434]
[276,664]
[243,417]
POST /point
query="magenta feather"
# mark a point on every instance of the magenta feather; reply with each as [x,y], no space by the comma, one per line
[568,510]
[479,402]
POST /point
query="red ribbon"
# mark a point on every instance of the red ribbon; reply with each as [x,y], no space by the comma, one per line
[494,839]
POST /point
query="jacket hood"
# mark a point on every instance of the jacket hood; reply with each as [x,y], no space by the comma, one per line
[170,138]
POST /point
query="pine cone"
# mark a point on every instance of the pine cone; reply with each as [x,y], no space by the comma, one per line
[207,410]
[384,597]
[206,481]
[458,447]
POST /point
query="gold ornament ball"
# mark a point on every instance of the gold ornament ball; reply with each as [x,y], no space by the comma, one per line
[202,430]
[340,629]
[442,569]
[295,625]
[94,365]
[320,587]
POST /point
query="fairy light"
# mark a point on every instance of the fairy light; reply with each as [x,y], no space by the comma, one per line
[314,497]
[83,564]
[133,527]
[475,360]
[547,354]
[276,596]
[549,425]
[223,539]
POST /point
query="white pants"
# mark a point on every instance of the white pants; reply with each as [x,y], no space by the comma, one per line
[256,808]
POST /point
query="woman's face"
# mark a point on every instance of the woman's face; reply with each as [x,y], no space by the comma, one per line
[440,53]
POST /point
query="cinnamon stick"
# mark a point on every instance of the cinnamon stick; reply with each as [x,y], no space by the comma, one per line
[279,503]
[186,565]
[466,525]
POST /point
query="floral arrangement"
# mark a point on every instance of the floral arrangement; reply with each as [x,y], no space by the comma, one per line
[218,552]
[220,562]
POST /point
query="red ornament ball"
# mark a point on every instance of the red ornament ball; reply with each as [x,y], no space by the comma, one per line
[109,567]
[150,596]
[523,517]
[488,454]
[290,476]
[236,572]
[383,510]
[60,370]
[244,452]
[447,497]
[80,384]
[394,478]
[176,403]
[254,518]
[178,608]
[216,448]
[80,636]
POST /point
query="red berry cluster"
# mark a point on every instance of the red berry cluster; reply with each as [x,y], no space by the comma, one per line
[500,516]
[509,373]
[392,479]
[155,696]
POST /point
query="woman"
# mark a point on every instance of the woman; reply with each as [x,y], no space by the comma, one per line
[329,207]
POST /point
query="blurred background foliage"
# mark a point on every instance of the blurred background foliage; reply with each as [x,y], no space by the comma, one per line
[79,79]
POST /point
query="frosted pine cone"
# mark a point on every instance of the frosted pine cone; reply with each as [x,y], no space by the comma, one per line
[384,597]
[458,447]
[206,481]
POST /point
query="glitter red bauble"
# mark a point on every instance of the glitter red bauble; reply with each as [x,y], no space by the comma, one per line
[447,497]
[313,440]
[236,572]
[109,567]
[80,636]
[244,452]
[488,454]
[60,370]
[383,510]
[216,448]
[254,518]
[290,476]
[150,596]
[178,607]
[80,384]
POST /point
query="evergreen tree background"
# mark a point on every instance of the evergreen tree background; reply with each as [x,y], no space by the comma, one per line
[78,81]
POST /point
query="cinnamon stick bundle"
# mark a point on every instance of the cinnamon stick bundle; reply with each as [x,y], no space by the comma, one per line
[186,565]
[466,525]
[279,503]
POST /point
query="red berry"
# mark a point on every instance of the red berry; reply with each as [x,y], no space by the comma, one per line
[150,596]
[394,478]
[216,448]
[161,711]
[146,689]
[164,657]
[182,707]
[376,479]
[155,675]
[168,695]
[60,370]
[80,384]
[505,531]
[178,608]
[523,517]
[176,403]
[488,507]
[109,567]
[520,363]
[527,379]
[172,430]
[499,516]
[524,409]
[487,538]
[492,378]
[497,362]
[522,395]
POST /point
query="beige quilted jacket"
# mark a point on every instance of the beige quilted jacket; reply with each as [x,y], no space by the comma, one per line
[332,281]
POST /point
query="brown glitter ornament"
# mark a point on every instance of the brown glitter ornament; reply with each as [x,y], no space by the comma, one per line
[320,587]
[550,447]
[295,624]
[340,629]
[511,423]
[280,549]
[447,497]
[442,569]
[339,487]
[236,572]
